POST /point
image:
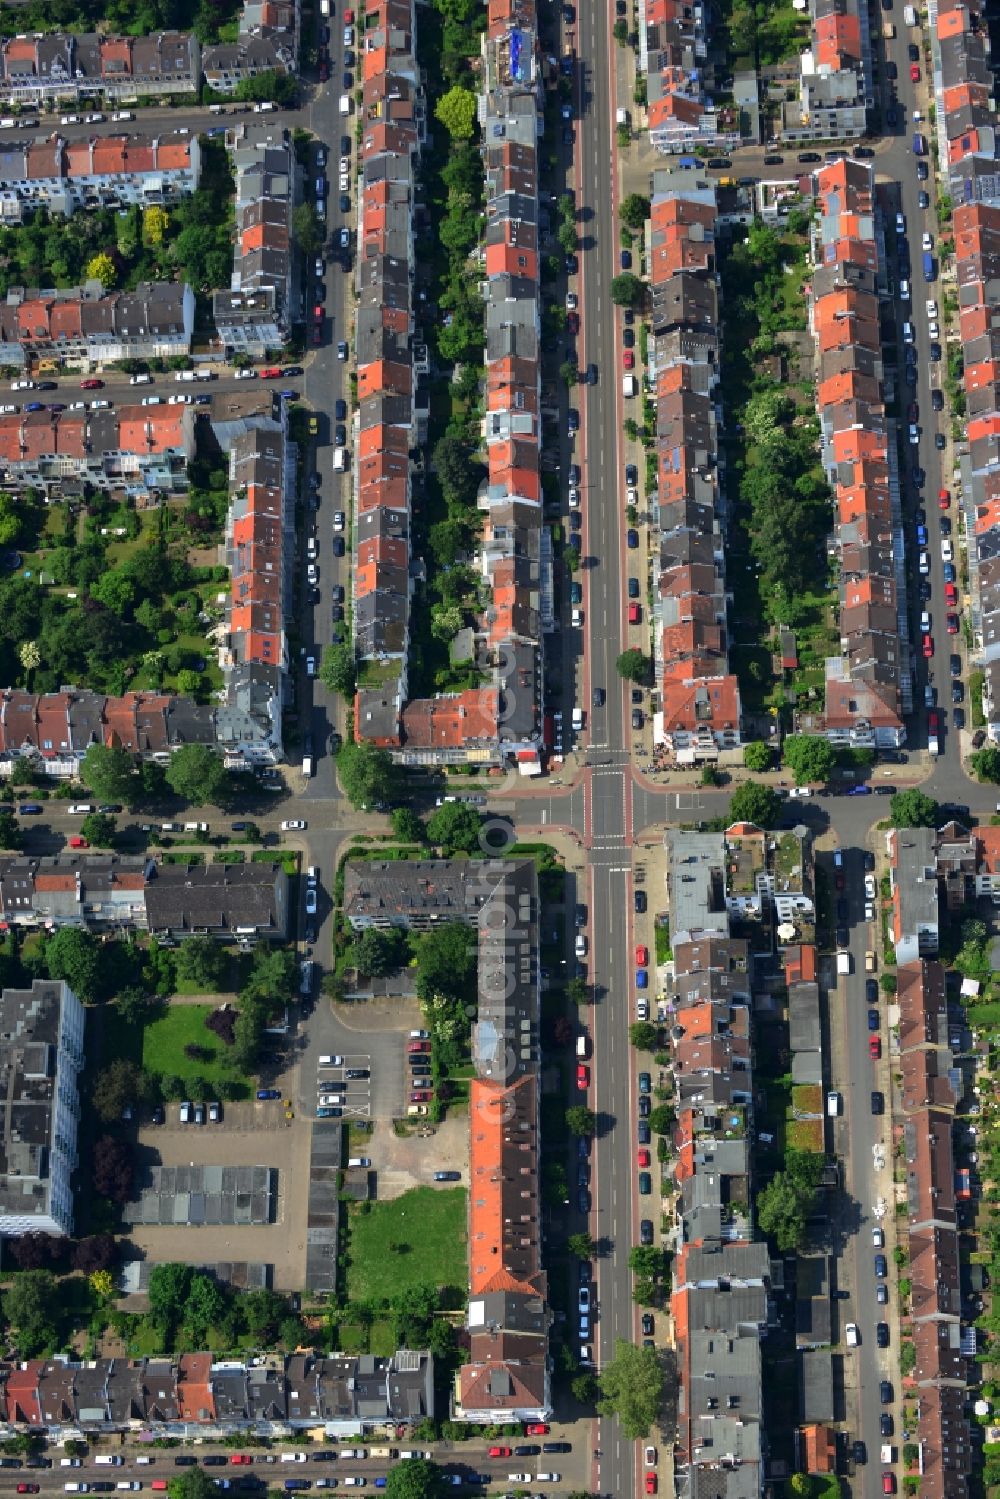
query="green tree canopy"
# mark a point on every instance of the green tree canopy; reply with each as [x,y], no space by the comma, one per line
[11,832]
[661,1119]
[121,1082]
[74,955]
[455,826]
[192,1483]
[110,773]
[632,1389]
[757,756]
[30,1306]
[578,991]
[169,1285]
[809,757]
[201,962]
[367,774]
[407,826]
[755,802]
[338,670]
[376,952]
[986,763]
[633,666]
[627,290]
[99,828]
[416,1478]
[643,1035]
[582,1245]
[307,229]
[457,112]
[913,809]
[197,774]
[634,210]
[580,1120]
[446,960]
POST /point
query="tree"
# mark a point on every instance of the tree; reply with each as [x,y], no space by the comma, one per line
[102,1283]
[29,1305]
[367,775]
[35,1251]
[306,229]
[631,1388]
[262,1312]
[986,763]
[581,1245]
[757,756]
[634,210]
[913,809]
[627,290]
[154,225]
[192,1483]
[204,1306]
[29,656]
[95,1253]
[197,775]
[455,826]
[110,774]
[338,671]
[121,1082]
[407,826]
[809,756]
[74,955]
[784,1205]
[10,528]
[169,1285]
[201,962]
[446,960]
[11,832]
[643,1035]
[112,1169]
[457,112]
[580,1120]
[661,1119]
[131,1004]
[801,1485]
[99,828]
[577,992]
[416,1478]
[376,952]
[754,802]
[101,267]
[632,665]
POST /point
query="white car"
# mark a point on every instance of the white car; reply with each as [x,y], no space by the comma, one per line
[947,551]
[869,887]
[152,400]
[904,290]
[853,1338]
[180,400]
[293,825]
[185,1114]
[923,564]
[245,375]
[331,1100]
[800,792]
[312,875]
[927,241]
[925,622]
[913,432]
[293,1457]
[22,385]
[311,901]
[312,575]
[649,1456]
[580,945]
[70,120]
[332,1059]
[123,114]
[312,548]
[631,495]
[319,268]
[571,301]
[310,672]
[878,1237]
[97,119]
[338,520]
[80,809]
[642,1009]
[931,307]
[933,330]
[345,182]
[348,36]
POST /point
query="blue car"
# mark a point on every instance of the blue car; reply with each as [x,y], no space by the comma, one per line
[30,809]
[626,260]
[949,572]
[641,978]
[921,536]
[873,1020]
[859,791]
[35,406]
[632,538]
[263,1093]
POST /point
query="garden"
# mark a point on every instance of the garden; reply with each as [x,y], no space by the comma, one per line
[414,1240]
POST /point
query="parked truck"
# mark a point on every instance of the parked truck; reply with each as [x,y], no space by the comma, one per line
[929,267]
[909,15]
[630,386]
[843,962]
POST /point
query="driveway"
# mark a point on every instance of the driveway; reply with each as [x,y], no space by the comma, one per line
[369,1034]
[405,1161]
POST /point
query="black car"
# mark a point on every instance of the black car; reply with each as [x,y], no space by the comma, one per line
[47,385]
[891,117]
[775,159]
[859,1452]
[637,699]
[940,441]
[643,1134]
[340,410]
[527,1449]
[937,400]
[842,910]
[843,937]
[935,352]
[185,1462]
[583,1148]
[808,156]
[891,71]
[647,1324]
[885,1427]
[958,718]
[871,991]
[955,665]
[110,808]
[945,525]
[869,860]
[338,546]
[324,1457]
[913,52]
[340,436]
[583,1201]
[337,613]
[572,265]
[885,1392]
[38,1462]
[645,1105]
[590,378]
[628,338]
[639,901]
[633,588]
[878,1103]
[599,697]
[357,1072]
[918,478]
[881,1266]
[557,1447]
[102,1488]
[645,1230]
[637,718]
[882,1334]
[345,203]
[447,1176]
[631,474]
[574,474]
[159,1116]
[567,135]
[213,1462]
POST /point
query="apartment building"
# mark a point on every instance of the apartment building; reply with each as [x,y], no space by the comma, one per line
[144,451]
[700,711]
[413,895]
[54,69]
[195,1395]
[674,39]
[913,882]
[868,687]
[835,84]
[107,171]
[243,903]
[256,312]
[929,1094]
[88,326]
[41,1056]
[721,1272]
[268,42]
[100,891]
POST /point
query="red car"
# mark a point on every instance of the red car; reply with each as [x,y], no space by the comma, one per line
[628,359]
[650,1483]
[324,72]
[27,1488]
[643,1157]
[536,1429]
[348,18]
[951,594]
[914,73]
[874,1047]
[573,323]
[635,614]
[951,620]
[91,384]
[273,371]
[318,315]
[582,1076]
[944,499]
[421,1095]
[642,955]
[888,1483]
[928,647]
[499,1452]
[413,1047]
[317,334]
[241,1459]
[839,880]
[78,842]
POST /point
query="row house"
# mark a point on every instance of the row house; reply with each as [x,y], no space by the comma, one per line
[868,686]
[54,68]
[87,326]
[835,85]
[142,450]
[674,37]
[771,874]
[41,1057]
[106,171]
[54,730]
[930,1089]
[197,1395]
[267,42]
[913,882]
[700,711]
[721,1293]
[965,123]
[507,1378]
[254,315]
[99,891]
[384,430]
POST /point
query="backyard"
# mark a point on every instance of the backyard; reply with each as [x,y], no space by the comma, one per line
[167,1037]
[418,1239]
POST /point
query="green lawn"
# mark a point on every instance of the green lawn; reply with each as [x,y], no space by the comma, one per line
[166,1037]
[427,1228]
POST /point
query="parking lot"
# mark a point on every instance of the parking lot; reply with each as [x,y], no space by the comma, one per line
[249,1134]
[370,1035]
